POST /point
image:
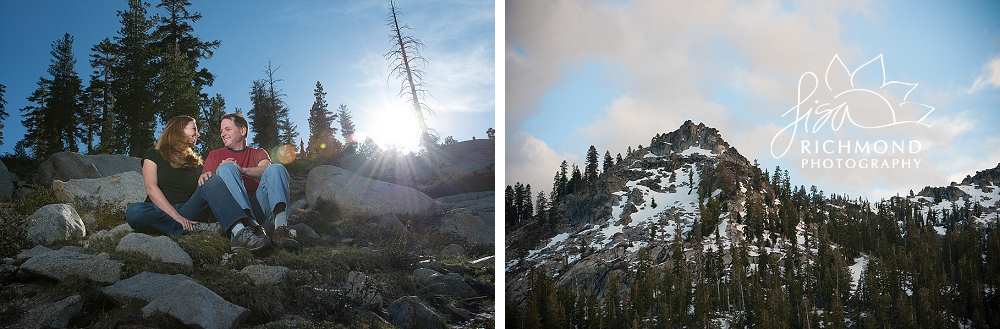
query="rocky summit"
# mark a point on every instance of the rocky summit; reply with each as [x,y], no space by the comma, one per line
[686,232]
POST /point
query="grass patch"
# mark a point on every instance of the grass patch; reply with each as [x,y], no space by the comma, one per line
[26,205]
[105,215]
[14,235]
[135,263]
[131,315]
[204,247]
[265,302]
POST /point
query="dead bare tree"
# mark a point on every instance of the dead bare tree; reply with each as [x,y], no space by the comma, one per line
[404,59]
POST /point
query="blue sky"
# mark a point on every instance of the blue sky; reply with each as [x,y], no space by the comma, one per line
[615,73]
[337,43]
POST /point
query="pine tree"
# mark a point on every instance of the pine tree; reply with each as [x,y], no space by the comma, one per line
[576,181]
[321,131]
[132,84]
[560,183]
[347,129]
[262,116]
[92,101]
[518,203]
[370,148]
[608,162]
[176,93]
[526,210]
[210,123]
[509,210]
[175,28]
[592,164]
[100,95]
[3,111]
[541,209]
[54,125]
[269,115]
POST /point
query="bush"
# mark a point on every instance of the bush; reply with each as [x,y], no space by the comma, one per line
[13,235]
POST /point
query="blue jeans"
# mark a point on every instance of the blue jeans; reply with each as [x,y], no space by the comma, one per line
[145,217]
[272,192]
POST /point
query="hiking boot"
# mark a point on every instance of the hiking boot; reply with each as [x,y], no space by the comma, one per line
[247,238]
[282,237]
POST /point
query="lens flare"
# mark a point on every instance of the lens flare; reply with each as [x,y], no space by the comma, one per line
[284,153]
[329,146]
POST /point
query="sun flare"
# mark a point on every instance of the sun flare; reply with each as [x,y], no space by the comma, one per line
[395,128]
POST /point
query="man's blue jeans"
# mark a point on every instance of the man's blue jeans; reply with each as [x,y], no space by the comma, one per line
[145,217]
[272,192]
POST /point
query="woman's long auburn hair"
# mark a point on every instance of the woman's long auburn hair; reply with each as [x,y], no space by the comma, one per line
[174,145]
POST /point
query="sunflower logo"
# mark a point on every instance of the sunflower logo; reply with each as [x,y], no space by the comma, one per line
[863,97]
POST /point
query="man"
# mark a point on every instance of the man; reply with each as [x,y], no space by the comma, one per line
[264,187]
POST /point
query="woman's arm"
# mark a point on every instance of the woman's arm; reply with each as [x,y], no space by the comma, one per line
[149,179]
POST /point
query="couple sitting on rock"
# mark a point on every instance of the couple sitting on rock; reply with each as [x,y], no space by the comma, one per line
[237,183]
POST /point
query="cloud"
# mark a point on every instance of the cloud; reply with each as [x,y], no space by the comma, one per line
[671,54]
[989,78]
[531,161]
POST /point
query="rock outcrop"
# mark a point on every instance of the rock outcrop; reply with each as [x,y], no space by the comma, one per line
[160,248]
[60,264]
[55,222]
[53,315]
[196,306]
[467,166]
[121,189]
[65,166]
[143,287]
[265,275]
[687,136]
[470,216]
[332,188]
[410,312]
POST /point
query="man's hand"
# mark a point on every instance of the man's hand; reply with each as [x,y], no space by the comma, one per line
[204,178]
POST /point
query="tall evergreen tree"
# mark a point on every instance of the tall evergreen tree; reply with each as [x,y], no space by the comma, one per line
[133,80]
[518,202]
[590,174]
[509,209]
[271,123]
[347,129]
[560,182]
[54,125]
[526,210]
[262,116]
[210,122]
[176,93]
[321,131]
[576,181]
[541,209]
[175,28]
[3,111]
[608,162]
[100,100]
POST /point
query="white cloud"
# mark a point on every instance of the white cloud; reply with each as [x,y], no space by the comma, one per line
[989,78]
[669,55]
[531,161]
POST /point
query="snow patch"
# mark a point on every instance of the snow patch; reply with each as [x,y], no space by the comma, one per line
[859,266]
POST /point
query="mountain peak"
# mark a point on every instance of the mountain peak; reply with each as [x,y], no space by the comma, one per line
[686,136]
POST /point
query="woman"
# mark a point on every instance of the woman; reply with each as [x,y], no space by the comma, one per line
[174,200]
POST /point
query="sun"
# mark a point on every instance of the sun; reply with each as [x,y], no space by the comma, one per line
[395,128]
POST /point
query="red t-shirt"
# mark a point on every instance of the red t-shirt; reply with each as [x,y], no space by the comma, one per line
[248,157]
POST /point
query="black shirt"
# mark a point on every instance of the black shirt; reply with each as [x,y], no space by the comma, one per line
[176,184]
